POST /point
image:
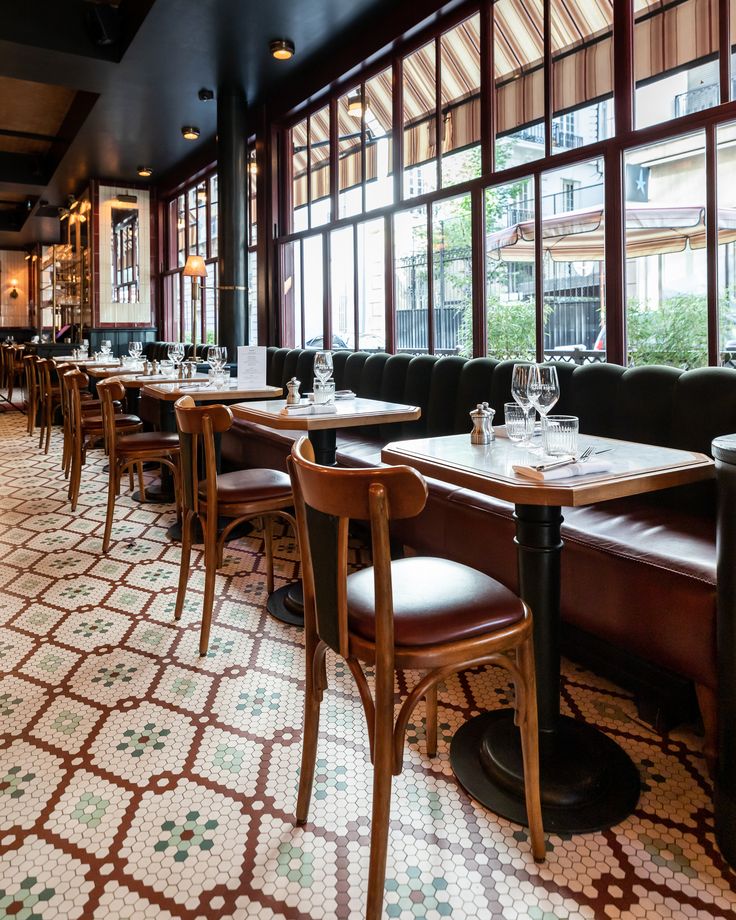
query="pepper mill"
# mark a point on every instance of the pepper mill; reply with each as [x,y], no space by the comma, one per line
[154,367]
[292,396]
[482,417]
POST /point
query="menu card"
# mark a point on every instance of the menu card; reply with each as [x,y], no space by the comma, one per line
[251,367]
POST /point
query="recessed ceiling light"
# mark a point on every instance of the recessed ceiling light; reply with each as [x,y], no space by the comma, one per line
[190,133]
[355,103]
[282,49]
[145,171]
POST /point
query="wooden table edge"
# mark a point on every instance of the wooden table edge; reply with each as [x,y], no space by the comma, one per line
[153,390]
[317,422]
[603,487]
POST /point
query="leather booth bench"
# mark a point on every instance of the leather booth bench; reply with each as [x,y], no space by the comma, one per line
[638,574]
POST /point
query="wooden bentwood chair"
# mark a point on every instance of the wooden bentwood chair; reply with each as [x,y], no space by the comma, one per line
[131,450]
[239,496]
[417,613]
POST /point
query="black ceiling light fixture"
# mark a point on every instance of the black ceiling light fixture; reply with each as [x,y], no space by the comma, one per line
[205,95]
[356,103]
[190,133]
[282,49]
[145,171]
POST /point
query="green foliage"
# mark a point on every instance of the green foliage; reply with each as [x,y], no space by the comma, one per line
[674,333]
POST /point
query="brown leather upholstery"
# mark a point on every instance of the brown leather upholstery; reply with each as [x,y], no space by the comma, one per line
[250,486]
[121,421]
[435,601]
[147,440]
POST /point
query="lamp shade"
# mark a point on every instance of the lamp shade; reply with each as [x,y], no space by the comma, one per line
[195,267]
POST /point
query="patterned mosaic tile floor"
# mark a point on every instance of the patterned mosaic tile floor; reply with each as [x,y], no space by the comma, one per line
[138,781]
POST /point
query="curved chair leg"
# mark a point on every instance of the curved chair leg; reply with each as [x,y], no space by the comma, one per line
[268,550]
[42,426]
[49,422]
[210,574]
[112,490]
[75,481]
[312,700]
[186,550]
[382,778]
[529,732]
[141,483]
[430,721]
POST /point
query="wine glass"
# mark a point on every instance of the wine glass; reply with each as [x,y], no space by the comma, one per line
[175,351]
[323,366]
[135,349]
[520,391]
[544,389]
[217,357]
[105,347]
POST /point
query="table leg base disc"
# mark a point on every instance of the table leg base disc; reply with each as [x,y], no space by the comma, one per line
[237,533]
[588,782]
[155,495]
[286,604]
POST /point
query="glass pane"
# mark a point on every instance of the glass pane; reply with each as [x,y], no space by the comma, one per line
[379,188]
[202,227]
[666,310]
[192,220]
[300,176]
[181,230]
[313,292]
[460,93]
[291,295]
[727,242]
[420,116]
[186,290]
[519,81]
[510,272]
[675,59]
[350,156]
[173,305]
[252,169]
[213,216]
[582,72]
[173,233]
[209,304]
[252,299]
[371,286]
[319,168]
[452,268]
[342,287]
[573,231]
[410,279]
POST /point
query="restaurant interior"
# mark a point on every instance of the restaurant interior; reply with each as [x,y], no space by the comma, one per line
[368,459]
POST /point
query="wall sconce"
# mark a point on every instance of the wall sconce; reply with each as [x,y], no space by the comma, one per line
[190,133]
[14,292]
[195,269]
[252,163]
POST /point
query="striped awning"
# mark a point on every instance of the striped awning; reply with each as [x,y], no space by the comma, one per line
[579,235]
[668,34]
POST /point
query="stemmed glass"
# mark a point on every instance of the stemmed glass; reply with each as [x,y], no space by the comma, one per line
[105,347]
[175,352]
[520,391]
[135,349]
[544,389]
[217,358]
[323,366]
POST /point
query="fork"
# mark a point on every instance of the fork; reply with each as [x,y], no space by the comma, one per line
[543,467]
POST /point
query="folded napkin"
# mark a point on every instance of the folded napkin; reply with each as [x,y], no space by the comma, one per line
[569,471]
[310,409]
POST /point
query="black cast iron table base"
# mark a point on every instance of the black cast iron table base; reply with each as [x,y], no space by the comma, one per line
[588,782]
[286,604]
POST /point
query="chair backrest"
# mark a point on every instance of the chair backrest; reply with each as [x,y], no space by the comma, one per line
[75,381]
[326,499]
[29,363]
[43,367]
[197,426]
[109,390]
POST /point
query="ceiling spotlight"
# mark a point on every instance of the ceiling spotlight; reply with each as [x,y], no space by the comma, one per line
[190,133]
[252,164]
[282,49]
[145,171]
[205,95]
[356,104]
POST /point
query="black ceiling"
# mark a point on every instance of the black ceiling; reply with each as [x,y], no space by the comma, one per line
[162,52]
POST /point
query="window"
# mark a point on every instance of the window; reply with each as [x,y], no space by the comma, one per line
[460,99]
[452,269]
[420,122]
[411,264]
[727,243]
[666,271]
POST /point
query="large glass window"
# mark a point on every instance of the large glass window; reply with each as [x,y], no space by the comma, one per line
[420,122]
[379,181]
[313,291]
[675,58]
[319,167]
[411,265]
[573,241]
[666,270]
[460,99]
[371,286]
[300,175]
[452,273]
[510,273]
[342,287]
[727,243]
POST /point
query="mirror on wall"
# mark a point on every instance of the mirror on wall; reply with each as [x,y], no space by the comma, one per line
[124,254]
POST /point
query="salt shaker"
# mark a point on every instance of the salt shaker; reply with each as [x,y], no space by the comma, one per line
[292,397]
[482,417]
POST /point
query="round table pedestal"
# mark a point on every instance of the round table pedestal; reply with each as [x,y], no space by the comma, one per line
[286,604]
[588,782]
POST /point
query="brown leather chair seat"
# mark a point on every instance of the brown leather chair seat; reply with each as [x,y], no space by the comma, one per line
[435,601]
[249,486]
[148,440]
[121,421]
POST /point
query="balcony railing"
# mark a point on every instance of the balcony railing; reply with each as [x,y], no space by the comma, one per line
[700,99]
[534,134]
